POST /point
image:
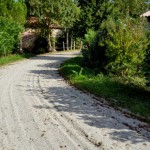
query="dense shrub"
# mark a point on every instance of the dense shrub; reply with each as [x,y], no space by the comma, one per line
[147,61]
[12,17]
[119,48]
[9,36]
[78,43]
[126,47]
[13,9]
[93,50]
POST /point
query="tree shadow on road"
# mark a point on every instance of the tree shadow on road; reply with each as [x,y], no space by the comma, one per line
[68,99]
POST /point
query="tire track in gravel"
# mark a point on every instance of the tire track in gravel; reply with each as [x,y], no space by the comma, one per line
[40,111]
[11,120]
[49,119]
[62,124]
[67,122]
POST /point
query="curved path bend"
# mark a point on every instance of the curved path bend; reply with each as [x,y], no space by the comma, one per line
[40,111]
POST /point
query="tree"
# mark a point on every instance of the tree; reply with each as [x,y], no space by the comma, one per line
[134,8]
[94,12]
[119,44]
[85,22]
[9,36]
[19,12]
[12,19]
[48,14]
[14,10]
[70,15]
[53,12]
[126,46]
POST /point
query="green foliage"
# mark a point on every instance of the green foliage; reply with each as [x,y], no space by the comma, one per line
[93,13]
[78,42]
[69,13]
[6,7]
[9,36]
[90,47]
[19,13]
[147,61]
[48,14]
[85,22]
[118,45]
[13,10]
[120,52]
[126,46]
[94,51]
[12,18]
[134,8]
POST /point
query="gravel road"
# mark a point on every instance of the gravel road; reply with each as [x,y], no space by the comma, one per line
[40,111]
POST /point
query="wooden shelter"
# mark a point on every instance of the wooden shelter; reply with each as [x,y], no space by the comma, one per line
[147,15]
[32,32]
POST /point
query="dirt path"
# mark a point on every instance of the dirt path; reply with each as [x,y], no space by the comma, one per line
[39,111]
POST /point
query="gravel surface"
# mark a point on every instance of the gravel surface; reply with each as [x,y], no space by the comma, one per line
[40,111]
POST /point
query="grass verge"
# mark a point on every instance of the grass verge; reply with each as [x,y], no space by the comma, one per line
[134,99]
[12,58]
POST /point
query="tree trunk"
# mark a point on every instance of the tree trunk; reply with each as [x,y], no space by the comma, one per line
[54,45]
[81,45]
[67,39]
[71,42]
[74,45]
[20,48]
[63,45]
[50,49]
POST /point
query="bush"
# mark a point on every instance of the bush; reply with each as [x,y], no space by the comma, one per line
[9,36]
[126,47]
[78,43]
[147,61]
[94,51]
[119,48]
[86,51]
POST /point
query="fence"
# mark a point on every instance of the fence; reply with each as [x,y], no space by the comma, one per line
[64,46]
[28,42]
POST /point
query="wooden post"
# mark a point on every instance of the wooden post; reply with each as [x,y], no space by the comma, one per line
[4,51]
[71,43]
[67,40]
[74,45]
[54,45]
[20,48]
[63,46]
[81,45]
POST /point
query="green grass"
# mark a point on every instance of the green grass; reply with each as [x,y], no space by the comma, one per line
[12,58]
[117,93]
